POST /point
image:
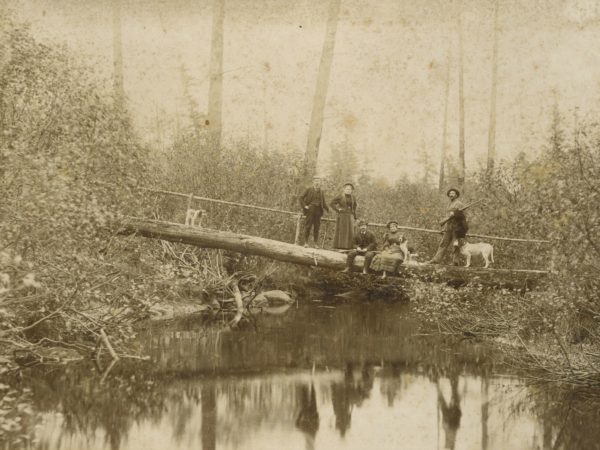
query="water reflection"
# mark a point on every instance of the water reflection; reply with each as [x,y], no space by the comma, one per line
[450,410]
[349,393]
[375,385]
[308,417]
[209,418]
[328,411]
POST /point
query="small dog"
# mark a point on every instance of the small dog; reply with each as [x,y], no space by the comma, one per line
[404,248]
[192,215]
[482,248]
[407,250]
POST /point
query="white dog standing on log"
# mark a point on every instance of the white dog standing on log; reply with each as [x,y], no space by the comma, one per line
[193,214]
[482,248]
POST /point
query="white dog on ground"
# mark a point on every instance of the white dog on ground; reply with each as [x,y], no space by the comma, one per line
[485,250]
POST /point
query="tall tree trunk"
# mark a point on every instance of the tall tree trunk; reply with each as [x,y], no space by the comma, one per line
[461,103]
[266,124]
[119,90]
[215,89]
[426,161]
[445,130]
[197,119]
[160,143]
[491,157]
[316,119]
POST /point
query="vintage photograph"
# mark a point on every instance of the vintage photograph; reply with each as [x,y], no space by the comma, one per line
[299,225]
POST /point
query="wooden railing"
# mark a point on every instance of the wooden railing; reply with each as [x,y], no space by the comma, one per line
[298,217]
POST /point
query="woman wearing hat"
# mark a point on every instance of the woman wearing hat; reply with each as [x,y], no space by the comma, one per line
[392,256]
[345,205]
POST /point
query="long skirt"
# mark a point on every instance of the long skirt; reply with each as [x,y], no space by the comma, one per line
[344,231]
[388,260]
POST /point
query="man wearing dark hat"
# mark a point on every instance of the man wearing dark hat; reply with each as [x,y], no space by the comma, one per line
[313,204]
[455,226]
[365,244]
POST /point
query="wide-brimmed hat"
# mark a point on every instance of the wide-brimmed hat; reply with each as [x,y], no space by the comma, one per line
[362,223]
[391,222]
[455,190]
[349,184]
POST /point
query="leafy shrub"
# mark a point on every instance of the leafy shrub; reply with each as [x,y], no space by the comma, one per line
[69,161]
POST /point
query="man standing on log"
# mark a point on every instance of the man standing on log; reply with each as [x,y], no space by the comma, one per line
[455,227]
[365,244]
[313,204]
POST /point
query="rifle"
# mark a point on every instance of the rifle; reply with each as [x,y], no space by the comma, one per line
[443,222]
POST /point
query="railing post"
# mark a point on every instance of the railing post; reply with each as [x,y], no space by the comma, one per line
[553,258]
[325,235]
[298,225]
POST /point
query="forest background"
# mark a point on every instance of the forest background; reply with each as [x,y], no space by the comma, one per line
[72,164]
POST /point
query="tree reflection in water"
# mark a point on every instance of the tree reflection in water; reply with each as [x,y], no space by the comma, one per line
[209,417]
[391,383]
[308,415]
[259,388]
[451,412]
[350,393]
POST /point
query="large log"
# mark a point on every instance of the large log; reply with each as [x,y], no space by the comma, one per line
[240,243]
[282,251]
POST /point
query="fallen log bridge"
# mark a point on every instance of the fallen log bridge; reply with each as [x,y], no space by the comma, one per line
[328,259]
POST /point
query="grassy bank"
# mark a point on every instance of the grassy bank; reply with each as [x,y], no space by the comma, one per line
[539,332]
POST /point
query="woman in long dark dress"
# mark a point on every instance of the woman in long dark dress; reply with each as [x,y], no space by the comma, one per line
[392,255]
[345,205]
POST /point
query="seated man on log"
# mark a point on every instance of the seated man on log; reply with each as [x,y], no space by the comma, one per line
[365,244]
[455,228]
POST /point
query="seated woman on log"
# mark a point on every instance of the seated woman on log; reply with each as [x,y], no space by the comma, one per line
[392,255]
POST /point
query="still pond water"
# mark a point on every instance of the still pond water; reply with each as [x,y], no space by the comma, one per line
[356,376]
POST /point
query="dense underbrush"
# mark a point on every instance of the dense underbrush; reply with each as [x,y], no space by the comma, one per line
[540,332]
[70,165]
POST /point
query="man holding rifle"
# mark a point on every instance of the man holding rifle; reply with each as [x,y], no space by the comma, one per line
[455,227]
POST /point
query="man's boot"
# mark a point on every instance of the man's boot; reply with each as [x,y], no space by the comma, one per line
[437,258]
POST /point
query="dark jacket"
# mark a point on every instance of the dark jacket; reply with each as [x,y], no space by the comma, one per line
[365,241]
[341,203]
[311,194]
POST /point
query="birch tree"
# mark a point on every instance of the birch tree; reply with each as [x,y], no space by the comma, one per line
[445,126]
[461,102]
[119,90]
[491,157]
[215,89]
[316,119]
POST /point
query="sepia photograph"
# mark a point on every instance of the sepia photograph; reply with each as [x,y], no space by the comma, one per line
[299,225]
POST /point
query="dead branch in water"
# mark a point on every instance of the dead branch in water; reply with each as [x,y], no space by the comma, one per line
[237,295]
[107,344]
